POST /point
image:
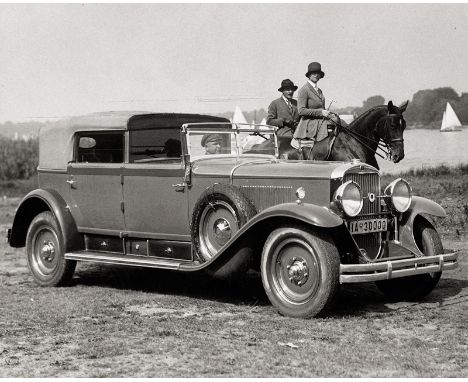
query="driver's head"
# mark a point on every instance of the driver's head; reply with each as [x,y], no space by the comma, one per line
[212,143]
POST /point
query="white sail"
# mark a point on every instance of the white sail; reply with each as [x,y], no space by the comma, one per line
[239,117]
[450,121]
[443,121]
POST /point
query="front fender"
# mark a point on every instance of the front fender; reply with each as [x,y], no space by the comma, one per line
[419,206]
[38,201]
[307,213]
[261,225]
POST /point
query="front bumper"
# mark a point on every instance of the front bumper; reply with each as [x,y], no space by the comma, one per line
[391,269]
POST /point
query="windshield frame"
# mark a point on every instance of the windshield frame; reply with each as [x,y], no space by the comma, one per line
[234,130]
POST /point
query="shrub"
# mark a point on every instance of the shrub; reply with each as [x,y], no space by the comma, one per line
[18,158]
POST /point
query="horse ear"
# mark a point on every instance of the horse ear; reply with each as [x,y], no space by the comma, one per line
[391,107]
[403,106]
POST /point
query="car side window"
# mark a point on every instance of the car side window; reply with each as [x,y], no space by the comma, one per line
[100,147]
[155,145]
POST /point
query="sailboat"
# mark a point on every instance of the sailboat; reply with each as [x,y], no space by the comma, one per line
[450,121]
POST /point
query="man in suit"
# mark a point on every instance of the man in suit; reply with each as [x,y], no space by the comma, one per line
[282,112]
[313,125]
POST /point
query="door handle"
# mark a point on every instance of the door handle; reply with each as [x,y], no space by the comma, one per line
[179,187]
[71,182]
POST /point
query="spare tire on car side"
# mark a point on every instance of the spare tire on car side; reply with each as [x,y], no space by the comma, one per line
[218,214]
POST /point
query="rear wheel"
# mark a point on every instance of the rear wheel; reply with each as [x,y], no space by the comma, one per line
[45,252]
[300,271]
[413,288]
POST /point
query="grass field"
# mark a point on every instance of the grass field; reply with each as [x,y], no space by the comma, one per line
[123,322]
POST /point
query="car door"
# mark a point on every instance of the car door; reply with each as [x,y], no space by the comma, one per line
[95,180]
[156,201]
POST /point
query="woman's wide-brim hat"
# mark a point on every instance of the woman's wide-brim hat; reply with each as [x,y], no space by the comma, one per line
[287,84]
[314,67]
[211,138]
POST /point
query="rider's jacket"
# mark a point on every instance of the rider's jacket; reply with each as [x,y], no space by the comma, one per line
[310,104]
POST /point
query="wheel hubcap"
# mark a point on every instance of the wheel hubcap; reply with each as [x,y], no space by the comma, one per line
[295,271]
[45,255]
[47,251]
[222,231]
[298,271]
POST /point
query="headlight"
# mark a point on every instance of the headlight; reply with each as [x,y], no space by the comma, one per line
[348,198]
[398,195]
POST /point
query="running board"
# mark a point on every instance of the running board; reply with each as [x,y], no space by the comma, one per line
[120,259]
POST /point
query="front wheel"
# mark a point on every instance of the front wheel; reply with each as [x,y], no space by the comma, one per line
[45,250]
[300,271]
[416,287]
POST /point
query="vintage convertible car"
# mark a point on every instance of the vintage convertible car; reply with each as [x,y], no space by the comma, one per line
[140,189]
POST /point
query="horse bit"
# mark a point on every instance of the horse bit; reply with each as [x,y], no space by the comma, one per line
[387,141]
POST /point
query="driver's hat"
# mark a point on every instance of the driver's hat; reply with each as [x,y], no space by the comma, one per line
[212,137]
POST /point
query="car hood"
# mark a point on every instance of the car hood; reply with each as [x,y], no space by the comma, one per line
[245,167]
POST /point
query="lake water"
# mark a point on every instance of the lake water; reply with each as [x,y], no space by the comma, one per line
[428,148]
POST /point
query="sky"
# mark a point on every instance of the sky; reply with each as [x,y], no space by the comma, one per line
[58,60]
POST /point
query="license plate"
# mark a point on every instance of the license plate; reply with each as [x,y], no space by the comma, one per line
[367,226]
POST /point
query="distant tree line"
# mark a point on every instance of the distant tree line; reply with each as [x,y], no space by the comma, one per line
[425,109]
[18,158]
[427,106]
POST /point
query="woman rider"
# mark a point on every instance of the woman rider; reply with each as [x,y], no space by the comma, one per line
[311,106]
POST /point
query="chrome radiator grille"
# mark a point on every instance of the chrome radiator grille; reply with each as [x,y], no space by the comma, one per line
[370,184]
[266,196]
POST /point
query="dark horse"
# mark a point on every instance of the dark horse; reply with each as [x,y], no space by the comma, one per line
[378,128]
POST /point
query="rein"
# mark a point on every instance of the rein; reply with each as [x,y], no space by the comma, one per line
[357,136]
[384,147]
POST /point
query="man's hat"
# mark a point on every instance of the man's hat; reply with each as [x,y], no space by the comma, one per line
[287,84]
[314,67]
[211,137]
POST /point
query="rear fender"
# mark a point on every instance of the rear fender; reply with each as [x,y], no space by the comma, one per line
[418,207]
[38,201]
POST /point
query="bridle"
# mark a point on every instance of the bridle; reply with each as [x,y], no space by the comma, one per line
[383,143]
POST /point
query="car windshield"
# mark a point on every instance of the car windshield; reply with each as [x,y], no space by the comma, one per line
[230,140]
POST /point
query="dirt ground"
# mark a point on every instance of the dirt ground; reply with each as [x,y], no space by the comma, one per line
[126,322]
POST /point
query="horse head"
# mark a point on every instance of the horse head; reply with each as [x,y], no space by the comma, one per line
[390,128]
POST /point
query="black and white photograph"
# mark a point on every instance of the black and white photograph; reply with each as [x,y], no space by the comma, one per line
[233,190]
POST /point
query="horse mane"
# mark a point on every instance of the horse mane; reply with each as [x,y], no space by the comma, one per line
[365,114]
